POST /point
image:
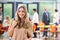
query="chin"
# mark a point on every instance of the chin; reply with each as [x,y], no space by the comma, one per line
[21,17]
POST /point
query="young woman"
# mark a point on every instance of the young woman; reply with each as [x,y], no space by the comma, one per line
[21,27]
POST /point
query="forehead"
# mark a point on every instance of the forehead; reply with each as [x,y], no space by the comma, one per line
[21,8]
[46,8]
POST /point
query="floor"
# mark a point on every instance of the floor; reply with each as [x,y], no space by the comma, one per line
[5,37]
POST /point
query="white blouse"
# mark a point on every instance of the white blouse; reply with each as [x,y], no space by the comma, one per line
[56,17]
[35,18]
[5,23]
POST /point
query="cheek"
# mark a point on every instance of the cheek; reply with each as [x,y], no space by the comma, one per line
[21,14]
[24,14]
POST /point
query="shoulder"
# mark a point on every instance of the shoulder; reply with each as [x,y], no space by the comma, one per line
[29,23]
[4,19]
[13,19]
[43,12]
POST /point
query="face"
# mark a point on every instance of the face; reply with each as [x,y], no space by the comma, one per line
[33,12]
[0,9]
[21,13]
[46,9]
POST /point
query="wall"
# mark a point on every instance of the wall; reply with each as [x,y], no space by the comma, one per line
[24,0]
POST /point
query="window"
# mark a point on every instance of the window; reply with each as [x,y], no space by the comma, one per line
[50,6]
[0,5]
[30,7]
[8,10]
[58,6]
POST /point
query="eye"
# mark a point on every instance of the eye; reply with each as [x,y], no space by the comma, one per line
[19,11]
[22,11]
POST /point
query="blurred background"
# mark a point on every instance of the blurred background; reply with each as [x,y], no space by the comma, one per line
[9,8]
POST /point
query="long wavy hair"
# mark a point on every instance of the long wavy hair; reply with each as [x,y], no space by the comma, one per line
[25,23]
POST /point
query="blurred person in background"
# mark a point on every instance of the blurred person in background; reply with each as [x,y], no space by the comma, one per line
[1,20]
[0,15]
[46,21]
[35,21]
[55,17]
[55,20]
[6,23]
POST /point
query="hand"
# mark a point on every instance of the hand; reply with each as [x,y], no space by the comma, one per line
[14,23]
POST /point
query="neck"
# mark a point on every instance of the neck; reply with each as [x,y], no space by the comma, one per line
[22,20]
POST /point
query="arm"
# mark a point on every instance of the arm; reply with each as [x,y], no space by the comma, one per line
[43,17]
[33,18]
[11,28]
[29,32]
[49,17]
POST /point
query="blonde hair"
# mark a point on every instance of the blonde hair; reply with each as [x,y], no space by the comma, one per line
[26,22]
[7,19]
